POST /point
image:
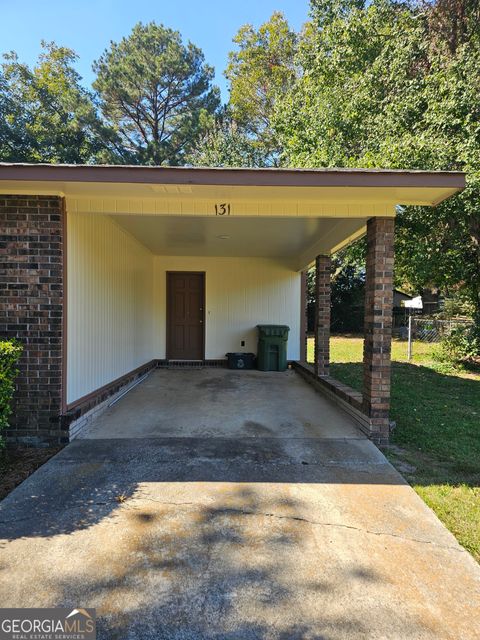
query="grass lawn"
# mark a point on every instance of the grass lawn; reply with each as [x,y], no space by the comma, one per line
[436,443]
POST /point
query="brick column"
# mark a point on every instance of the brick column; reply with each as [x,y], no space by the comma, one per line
[322,315]
[378,325]
[303,318]
[32,310]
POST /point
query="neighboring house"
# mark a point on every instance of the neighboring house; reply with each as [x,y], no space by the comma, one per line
[432,301]
[399,297]
[109,271]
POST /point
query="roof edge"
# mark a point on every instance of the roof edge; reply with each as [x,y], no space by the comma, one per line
[278,177]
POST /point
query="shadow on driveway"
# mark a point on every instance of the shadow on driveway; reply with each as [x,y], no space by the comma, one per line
[90,479]
[221,538]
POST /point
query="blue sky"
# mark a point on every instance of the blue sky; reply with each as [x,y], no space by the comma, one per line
[87,26]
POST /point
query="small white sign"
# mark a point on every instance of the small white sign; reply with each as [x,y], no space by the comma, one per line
[414,303]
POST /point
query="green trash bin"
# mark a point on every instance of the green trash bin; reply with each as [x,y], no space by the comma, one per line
[272,347]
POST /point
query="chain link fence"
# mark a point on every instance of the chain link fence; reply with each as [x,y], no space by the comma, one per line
[430,330]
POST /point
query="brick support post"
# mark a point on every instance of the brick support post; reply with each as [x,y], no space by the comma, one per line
[322,315]
[378,325]
[303,318]
[32,310]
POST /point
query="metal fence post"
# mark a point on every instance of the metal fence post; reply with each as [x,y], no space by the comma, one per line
[409,354]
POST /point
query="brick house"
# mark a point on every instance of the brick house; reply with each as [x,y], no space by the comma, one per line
[109,271]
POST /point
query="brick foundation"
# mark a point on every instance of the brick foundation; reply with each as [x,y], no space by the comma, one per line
[32,310]
[322,315]
[344,396]
[378,323]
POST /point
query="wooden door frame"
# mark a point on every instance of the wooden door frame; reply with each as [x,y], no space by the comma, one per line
[167,308]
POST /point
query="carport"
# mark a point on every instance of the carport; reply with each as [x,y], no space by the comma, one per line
[205,502]
[113,271]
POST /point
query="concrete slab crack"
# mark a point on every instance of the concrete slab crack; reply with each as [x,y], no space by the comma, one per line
[348,526]
[317,523]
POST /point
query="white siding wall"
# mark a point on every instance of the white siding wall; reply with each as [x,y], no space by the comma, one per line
[240,293]
[109,302]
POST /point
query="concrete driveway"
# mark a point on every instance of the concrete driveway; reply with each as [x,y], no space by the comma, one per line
[295,527]
[211,403]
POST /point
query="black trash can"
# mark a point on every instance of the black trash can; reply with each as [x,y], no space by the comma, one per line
[241,360]
[272,347]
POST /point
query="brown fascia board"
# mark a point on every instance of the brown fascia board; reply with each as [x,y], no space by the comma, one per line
[271,177]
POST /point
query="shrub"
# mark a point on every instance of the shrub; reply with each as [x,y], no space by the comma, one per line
[456,306]
[10,352]
[462,344]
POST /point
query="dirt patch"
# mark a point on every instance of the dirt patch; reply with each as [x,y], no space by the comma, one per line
[18,463]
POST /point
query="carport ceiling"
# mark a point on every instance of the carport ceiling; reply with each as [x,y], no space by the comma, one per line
[290,238]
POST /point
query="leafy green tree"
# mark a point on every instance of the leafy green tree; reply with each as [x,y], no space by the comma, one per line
[377,89]
[325,12]
[451,23]
[354,69]
[226,144]
[260,72]
[45,113]
[157,93]
[12,127]
[441,246]
[347,290]
[348,297]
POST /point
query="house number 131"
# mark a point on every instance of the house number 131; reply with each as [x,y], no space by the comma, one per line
[222,209]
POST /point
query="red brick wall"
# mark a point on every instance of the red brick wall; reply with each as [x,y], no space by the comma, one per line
[322,314]
[378,324]
[32,310]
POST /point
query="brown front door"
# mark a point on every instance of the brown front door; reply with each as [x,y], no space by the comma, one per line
[185,315]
